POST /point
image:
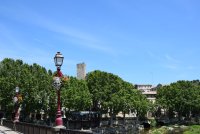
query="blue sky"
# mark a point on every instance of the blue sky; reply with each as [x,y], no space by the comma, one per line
[143,41]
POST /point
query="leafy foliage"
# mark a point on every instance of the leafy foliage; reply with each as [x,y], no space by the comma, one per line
[112,94]
[34,83]
[100,91]
[195,129]
[75,95]
[182,97]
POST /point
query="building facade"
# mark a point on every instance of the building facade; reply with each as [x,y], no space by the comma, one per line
[148,90]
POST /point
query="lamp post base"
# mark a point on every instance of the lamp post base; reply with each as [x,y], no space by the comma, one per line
[59,121]
[57,128]
[16,119]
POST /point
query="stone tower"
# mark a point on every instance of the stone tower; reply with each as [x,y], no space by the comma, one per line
[81,73]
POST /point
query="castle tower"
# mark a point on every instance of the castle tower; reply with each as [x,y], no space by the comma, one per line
[81,71]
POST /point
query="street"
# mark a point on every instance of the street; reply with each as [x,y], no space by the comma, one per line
[5,130]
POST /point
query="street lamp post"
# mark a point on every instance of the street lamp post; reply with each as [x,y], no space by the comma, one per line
[16,105]
[58,59]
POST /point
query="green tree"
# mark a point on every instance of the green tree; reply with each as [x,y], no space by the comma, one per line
[104,88]
[114,94]
[141,104]
[181,97]
[124,99]
[34,83]
[75,95]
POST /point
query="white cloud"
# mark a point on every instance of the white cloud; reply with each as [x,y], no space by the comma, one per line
[171,66]
[81,38]
[191,67]
[154,56]
[171,59]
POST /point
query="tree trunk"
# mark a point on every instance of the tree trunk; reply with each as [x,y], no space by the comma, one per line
[179,115]
[111,117]
[124,116]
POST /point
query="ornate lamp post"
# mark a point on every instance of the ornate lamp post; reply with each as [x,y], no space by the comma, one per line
[58,59]
[16,105]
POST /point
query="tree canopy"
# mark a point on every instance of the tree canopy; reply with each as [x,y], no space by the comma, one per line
[112,94]
[100,91]
[182,97]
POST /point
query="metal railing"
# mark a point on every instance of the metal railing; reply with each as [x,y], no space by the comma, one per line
[69,131]
[28,128]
